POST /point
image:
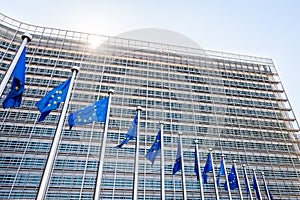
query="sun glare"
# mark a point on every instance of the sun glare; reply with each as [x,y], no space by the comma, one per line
[94,41]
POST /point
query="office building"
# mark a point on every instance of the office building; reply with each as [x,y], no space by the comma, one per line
[234,104]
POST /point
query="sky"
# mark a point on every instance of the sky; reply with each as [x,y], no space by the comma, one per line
[263,28]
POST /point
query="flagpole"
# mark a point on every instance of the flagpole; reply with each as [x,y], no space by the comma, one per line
[182,169]
[247,181]
[226,177]
[258,188]
[199,171]
[265,184]
[136,161]
[26,38]
[44,184]
[238,180]
[214,174]
[103,145]
[162,162]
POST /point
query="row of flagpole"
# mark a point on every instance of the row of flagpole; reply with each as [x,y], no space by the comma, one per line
[99,111]
[231,180]
[51,101]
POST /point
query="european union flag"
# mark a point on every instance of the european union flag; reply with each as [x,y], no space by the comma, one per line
[52,99]
[177,164]
[14,97]
[207,168]
[255,187]
[154,150]
[246,182]
[268,191]
[196,167]
[232,178]
[94,112]
[131,133]
[221,171]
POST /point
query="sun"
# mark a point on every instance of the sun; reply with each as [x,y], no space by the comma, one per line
[95,40]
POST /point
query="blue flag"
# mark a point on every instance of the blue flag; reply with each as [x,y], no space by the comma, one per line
[154,150]
[207,168]
[14,97]
[255,187]
[94,112]
[232,178]
[177,164]
[131,133]
[196,167]
[221,171]
[52,99]
[268,191]
[246,183]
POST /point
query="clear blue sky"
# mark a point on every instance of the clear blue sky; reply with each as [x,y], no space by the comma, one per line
[264,28]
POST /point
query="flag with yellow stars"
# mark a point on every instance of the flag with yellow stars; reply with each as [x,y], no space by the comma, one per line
[14,97]
[131,133]
[94,112]
[52,99]
[232,179]
[154,150]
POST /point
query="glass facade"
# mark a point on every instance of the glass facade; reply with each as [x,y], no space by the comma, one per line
[232,103]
